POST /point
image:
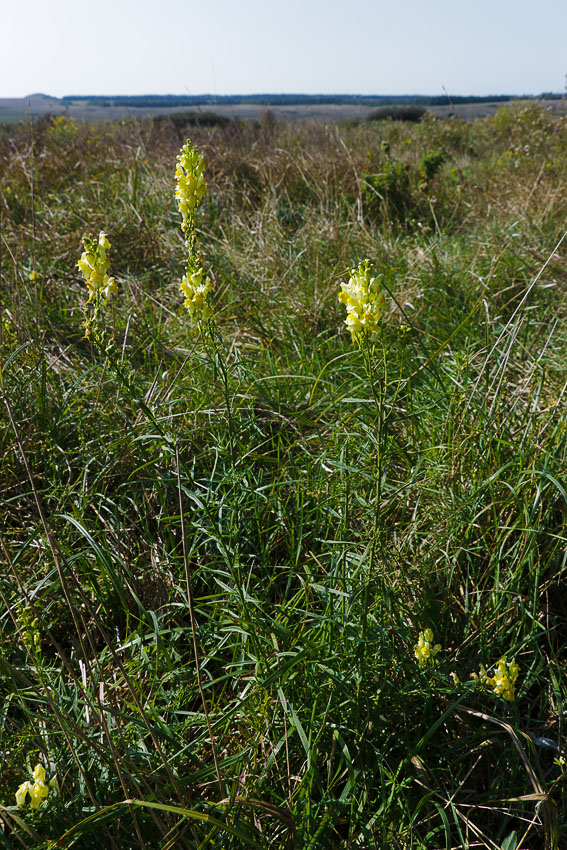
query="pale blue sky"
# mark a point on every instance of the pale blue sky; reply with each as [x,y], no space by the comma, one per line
[312,46]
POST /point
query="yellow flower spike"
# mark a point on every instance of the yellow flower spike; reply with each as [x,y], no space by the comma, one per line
[503,681]
[424,651]
[191,185]
[364,301]
[190,188]
[94,263]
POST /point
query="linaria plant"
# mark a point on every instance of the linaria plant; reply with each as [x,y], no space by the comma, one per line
[196,285]
[364,300]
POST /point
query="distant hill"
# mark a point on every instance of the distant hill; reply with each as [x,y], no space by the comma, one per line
[41,95]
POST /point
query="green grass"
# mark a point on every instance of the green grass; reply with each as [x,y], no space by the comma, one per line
[231,542]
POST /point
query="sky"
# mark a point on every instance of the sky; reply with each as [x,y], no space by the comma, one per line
[61,47]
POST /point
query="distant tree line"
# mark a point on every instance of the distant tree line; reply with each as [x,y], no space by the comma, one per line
[168,101]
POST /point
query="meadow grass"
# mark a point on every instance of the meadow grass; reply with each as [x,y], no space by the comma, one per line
[222,547]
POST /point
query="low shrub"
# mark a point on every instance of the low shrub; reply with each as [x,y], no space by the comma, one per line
[397,113]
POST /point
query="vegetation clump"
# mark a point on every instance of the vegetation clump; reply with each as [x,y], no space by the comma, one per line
[397,113]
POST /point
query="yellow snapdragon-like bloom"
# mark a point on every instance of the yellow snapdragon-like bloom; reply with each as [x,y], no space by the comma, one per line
[504,680]
[39,773]
[191,184]
[364,301]
[38,789]
[38,793]
[424,650]
[480,677]
[94,263]
[196,291]
[22,792]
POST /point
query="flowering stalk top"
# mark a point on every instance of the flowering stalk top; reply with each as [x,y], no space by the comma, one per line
[191,185]
[94,264]
[504,680]
[424,650]
[38,789]
[364,301]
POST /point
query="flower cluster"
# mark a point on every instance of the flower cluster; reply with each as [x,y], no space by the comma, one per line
[364,301]
[424,649]
[191,185]
[504,680]
[38,789]
[196,291]
[94,264]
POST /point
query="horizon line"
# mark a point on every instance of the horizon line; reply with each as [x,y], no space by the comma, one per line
[289,94]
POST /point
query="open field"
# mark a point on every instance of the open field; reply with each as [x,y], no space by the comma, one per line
[265,585]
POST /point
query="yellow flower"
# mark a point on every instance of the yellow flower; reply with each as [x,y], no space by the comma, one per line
[22,793]
[39,773]
[37,789]
[38,793]
[196,291]
[504,680]
[364,301]
[191,185]
[424,650]
[94,263]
